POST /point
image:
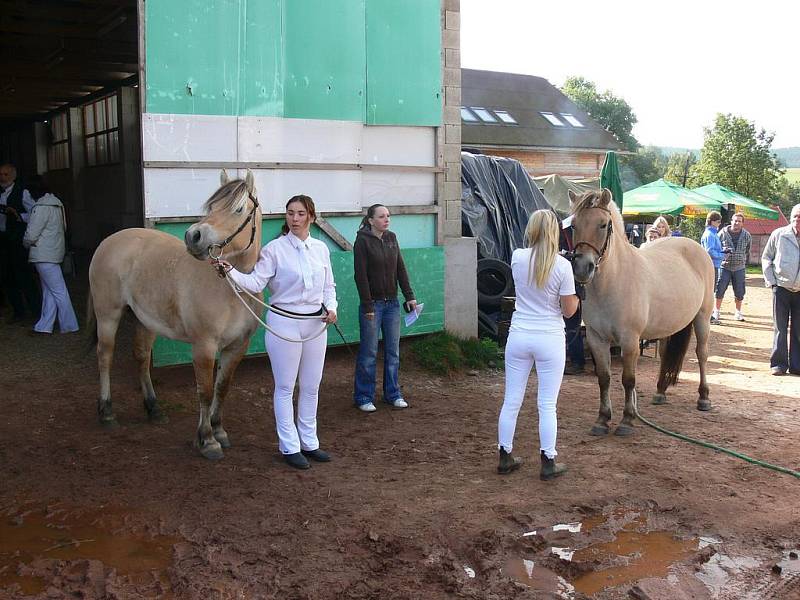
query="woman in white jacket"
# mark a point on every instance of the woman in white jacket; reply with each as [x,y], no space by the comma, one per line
[45,238]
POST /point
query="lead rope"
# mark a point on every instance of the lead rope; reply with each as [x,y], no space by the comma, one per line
[238,293]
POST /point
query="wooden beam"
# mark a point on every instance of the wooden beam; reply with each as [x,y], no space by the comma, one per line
[212,164]
[333,233]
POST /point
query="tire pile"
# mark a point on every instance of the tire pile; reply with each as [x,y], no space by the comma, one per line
[494,283]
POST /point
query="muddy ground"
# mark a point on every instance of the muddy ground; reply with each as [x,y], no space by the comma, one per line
[411,506]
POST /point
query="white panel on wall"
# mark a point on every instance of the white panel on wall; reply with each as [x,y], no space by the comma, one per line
[178,192]
[398,146]
[273,139]
[331,190]
[397,188]
[189,137]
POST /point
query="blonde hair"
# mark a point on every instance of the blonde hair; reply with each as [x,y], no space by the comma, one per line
[541,235]
[661,219]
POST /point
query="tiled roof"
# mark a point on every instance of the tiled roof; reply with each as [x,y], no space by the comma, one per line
[766,226]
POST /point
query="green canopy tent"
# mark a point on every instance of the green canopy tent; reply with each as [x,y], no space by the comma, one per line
[664,198]
[609,178]
[749,208]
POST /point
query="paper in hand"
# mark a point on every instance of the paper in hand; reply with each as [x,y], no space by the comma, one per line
[411,317]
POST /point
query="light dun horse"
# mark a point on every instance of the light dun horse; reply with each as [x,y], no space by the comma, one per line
[660,292]
[177,294]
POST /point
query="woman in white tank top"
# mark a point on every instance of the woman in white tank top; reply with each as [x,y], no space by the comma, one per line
[545,291]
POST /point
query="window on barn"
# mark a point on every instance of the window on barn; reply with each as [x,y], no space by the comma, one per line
[506,117]
[101,131]
[468,115]
[572,120]
[484,114]
[58,149]
[554,120]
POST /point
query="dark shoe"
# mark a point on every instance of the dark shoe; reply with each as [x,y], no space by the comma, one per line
[296,460]
[550,468]
[794,372]
[715,321]
[778,371]
[574,369]
[507,463]
[34,333]
[317,455]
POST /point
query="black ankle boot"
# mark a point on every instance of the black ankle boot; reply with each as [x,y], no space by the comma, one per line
[507,463]
[550,468]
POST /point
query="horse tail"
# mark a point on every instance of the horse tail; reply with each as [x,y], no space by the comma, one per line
[675,348]
[91,324]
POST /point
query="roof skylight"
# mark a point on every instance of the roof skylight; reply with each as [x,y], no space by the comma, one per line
[505,117]
[484,114]
[468,115]
[554,120]
[572,120]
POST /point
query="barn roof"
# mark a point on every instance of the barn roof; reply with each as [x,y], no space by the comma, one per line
[544,118]
[766,226]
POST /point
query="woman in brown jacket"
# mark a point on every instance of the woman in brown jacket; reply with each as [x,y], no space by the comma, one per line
[379,267]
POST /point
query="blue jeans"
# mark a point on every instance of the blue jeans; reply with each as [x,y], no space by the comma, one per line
[727,277]
[386,320]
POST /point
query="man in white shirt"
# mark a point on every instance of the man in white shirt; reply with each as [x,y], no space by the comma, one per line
[16,275]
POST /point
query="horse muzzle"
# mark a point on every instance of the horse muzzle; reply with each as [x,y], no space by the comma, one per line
[198,240]
[583,268]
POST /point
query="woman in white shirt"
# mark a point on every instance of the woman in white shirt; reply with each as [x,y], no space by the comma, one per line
[545,291]
[296,269]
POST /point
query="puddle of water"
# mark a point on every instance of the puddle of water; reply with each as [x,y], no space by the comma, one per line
[790,563]
[30,533]
[719,569]
[539,578]
[634,553]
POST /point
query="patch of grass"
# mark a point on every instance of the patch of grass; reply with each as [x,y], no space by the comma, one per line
[753,270]
[793,175]
[445,354]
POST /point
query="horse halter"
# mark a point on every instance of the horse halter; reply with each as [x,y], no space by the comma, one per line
[600,253]
[251,218]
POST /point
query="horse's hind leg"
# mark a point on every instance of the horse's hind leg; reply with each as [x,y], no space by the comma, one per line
[602,365]
[203,360]
[630,354]
[229,359]
[143,340]
[107,324]
[702,328]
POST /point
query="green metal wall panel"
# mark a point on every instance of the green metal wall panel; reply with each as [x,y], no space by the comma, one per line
[413,231]
[404,72]
[425,267]
[325,56]
[261,85]
[192,56]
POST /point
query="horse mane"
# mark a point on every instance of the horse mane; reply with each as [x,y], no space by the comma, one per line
[230,196]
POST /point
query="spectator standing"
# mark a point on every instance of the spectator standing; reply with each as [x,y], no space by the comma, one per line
[17,278]
[379,268]
[780,262]
[710,241]
[736,242]
[663,226]
[45,239]
[651,235]
[545,289]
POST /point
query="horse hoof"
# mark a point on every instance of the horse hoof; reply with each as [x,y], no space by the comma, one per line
[599,430]
[109,423]
[703,405]
[624,430]
[222,437]
[211,451]
[659,399]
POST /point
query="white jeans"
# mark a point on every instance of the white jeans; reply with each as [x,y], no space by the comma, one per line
[292,362]
[522,350]
[55,300]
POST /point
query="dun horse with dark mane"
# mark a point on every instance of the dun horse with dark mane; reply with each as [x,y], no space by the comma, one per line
[177,294]
[662,292]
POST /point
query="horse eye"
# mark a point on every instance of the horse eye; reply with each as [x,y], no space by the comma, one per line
[604,225]
[239,210]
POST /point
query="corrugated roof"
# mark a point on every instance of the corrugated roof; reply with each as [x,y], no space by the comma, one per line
[525,97]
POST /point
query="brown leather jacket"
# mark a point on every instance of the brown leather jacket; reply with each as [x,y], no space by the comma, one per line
[379,267]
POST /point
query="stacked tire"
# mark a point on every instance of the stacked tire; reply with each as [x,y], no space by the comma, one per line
[494,283]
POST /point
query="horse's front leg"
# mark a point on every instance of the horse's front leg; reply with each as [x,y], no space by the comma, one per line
[203,360]
[630,355]
[601,352]
[229,359]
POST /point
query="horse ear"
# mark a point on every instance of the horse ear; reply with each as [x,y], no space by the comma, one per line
[250,182]
[605,197]
[573,198]
[223,177]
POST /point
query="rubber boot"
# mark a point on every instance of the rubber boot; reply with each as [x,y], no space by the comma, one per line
[507,462]
[550,468]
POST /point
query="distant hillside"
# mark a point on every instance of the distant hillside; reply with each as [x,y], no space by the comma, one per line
[790,157]
[670,150]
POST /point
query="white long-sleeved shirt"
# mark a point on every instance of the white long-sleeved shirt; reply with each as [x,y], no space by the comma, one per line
[293,284]
[780,260]
[27,203]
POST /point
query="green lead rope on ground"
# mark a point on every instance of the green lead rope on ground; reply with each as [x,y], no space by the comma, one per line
[686,438]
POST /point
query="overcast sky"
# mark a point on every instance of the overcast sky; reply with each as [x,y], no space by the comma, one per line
[677,63]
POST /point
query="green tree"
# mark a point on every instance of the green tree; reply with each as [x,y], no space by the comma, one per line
[648,164]
[787,194]
[679,168]
[611,112]
[738,157]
